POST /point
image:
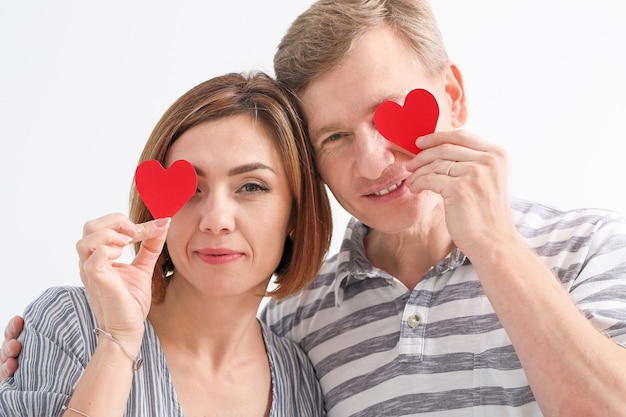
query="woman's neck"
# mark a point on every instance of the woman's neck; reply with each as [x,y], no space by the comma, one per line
[215,328]
[215,353]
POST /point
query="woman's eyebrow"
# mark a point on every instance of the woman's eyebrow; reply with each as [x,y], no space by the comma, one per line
[242,169]
[249,167]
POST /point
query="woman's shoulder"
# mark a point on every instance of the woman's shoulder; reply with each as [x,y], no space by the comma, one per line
[296,388]
[55,301]
[60,309]
[63,291]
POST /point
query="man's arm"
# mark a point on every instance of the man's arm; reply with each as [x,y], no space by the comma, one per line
[570,341]
[10,347]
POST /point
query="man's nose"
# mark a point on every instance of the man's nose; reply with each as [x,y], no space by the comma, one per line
[372,153]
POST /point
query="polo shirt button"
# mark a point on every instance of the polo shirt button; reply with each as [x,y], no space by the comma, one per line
[413,321]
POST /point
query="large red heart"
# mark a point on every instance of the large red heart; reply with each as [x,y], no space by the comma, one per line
[402,125]
[165,191]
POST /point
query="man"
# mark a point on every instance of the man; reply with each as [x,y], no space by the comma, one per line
[442,300]
[445,298]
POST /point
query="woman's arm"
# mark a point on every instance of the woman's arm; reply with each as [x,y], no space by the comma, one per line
[120,296]
[63,363]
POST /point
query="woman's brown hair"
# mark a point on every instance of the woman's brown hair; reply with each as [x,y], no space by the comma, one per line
[261,97]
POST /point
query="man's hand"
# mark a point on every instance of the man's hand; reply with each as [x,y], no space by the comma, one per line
[10,347]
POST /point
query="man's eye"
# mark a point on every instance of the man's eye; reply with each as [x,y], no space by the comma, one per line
[334,137]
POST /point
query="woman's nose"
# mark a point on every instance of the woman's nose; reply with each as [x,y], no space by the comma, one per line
[217,214]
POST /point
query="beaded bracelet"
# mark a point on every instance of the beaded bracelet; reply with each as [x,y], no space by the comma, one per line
[137,360]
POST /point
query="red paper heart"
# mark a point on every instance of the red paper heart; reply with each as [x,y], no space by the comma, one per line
[402,125]
[165,191]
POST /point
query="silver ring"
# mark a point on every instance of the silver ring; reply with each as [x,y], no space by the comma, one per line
[450,167]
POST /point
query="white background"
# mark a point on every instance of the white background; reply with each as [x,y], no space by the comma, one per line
[83,83]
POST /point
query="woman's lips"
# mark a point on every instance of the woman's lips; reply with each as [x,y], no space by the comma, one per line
[218,256]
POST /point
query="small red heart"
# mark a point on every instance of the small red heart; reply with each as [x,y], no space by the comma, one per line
[402,125]
[165,191]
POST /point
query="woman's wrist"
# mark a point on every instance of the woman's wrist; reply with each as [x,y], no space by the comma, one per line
[116,347]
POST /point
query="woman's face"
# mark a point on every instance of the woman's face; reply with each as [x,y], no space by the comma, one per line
[228,239]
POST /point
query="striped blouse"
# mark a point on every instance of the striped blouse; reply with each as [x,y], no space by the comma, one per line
[440,350]
[58,341]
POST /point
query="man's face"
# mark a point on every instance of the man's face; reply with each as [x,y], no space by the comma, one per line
[364,171]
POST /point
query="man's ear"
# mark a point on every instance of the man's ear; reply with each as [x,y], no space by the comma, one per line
[456,94]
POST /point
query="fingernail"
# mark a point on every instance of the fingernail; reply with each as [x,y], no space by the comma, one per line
[159,223]
[126,237]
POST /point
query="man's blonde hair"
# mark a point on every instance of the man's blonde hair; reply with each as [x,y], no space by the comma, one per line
[321,37]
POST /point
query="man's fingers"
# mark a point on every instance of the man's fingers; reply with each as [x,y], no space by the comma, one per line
[14,328]
[10,347]
[7,369]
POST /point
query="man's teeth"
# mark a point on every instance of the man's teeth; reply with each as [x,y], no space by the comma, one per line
[388,190]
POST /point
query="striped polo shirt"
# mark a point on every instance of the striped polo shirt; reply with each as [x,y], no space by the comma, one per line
[380,349]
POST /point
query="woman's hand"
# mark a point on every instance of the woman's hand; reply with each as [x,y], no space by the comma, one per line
[120,294]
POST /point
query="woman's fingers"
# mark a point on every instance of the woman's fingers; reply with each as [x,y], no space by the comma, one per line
[105,238]
[115,221]
[115,231]
[153,236]
[108,240]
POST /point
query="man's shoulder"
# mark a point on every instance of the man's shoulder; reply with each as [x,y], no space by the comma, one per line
[579,232]
[281,314]
[541,215]
[322,284]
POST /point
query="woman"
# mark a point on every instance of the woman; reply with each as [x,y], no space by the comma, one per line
[188,301]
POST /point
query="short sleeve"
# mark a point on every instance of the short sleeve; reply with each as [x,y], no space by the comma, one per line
[55,345]
[599,289]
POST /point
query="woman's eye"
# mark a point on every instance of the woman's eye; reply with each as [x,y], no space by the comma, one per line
[253,187]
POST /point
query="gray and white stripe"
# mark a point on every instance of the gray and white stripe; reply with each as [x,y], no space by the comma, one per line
[58,342]
[440,350]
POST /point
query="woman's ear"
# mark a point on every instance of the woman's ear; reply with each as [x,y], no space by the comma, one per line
[456,94]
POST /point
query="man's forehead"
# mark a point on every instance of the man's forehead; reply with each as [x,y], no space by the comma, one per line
[334,111]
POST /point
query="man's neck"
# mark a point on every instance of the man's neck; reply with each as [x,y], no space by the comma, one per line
[408,256]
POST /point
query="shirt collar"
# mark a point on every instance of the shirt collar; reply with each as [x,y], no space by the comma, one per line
[353,265]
